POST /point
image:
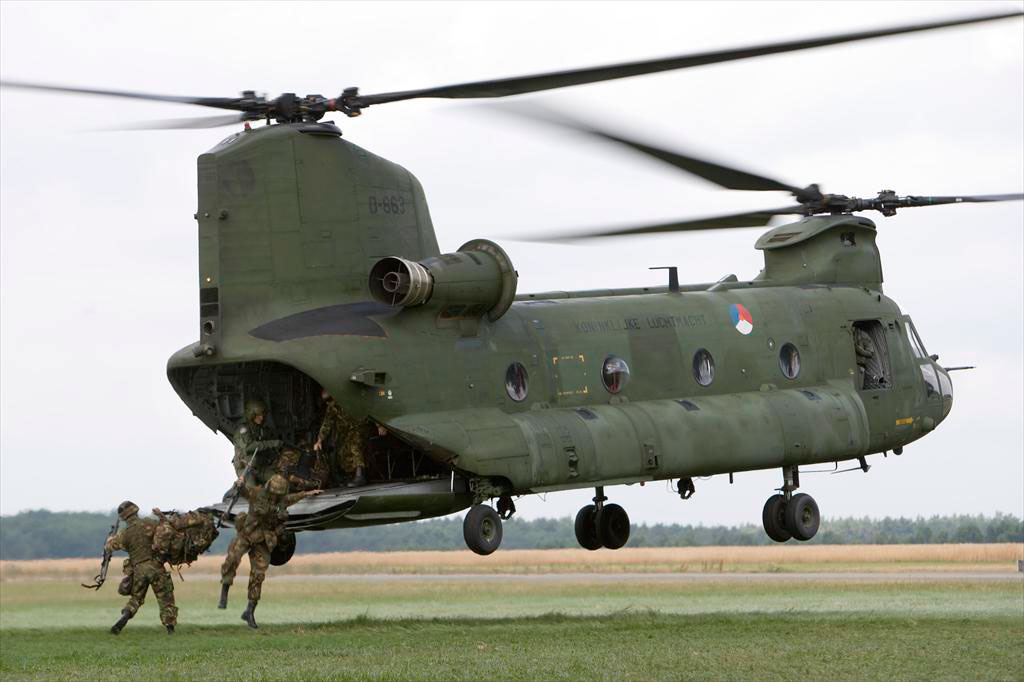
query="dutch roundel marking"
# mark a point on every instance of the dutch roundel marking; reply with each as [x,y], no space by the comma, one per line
[741,319]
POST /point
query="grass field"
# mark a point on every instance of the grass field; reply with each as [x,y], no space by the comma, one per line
[465,627]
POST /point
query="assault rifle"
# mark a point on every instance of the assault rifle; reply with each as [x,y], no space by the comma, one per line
[245,474]
[101,577]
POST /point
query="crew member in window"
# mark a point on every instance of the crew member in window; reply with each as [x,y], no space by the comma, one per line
[869,367]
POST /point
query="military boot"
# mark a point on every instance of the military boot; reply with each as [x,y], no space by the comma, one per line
[126,616]
[249,615]
[223,596]
[170,629]
[358,478]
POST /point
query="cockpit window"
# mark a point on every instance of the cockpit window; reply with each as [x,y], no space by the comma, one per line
[945,385]
[915,342]
[931,379]
[935,381]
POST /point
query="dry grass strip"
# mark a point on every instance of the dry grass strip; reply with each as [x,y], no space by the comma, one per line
[789,557]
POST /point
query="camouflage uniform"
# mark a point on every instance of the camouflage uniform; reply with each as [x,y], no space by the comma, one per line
[302,468]
[350,435]
[248,441]
[147,571]
[257,533]
[868,364]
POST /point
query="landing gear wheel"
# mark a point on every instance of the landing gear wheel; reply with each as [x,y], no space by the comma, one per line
[283,550]
[482,529]
[586,528]
[612,526]
[774,518]
[802,517]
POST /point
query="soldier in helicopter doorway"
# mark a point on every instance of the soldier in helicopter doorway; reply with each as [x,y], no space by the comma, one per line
[249,443]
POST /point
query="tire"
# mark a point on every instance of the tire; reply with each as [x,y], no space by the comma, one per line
[612,526]
[482,529]
[586,528]
[283,550]
[802,517]
[774,518]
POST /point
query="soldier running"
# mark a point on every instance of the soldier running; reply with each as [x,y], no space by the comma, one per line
[248,442]
[258,531]
[351,439]
[147,571]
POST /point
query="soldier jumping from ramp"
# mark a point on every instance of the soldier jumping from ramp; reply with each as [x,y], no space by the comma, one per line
[258,531]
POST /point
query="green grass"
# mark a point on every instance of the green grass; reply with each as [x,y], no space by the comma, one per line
[473,630]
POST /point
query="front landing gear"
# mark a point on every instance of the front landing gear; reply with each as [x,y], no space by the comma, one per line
[482,529]
[602,525]
[787,515]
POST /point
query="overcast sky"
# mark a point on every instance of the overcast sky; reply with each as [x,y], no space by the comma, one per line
[98,254]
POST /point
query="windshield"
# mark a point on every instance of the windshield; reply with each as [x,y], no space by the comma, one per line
[936,380]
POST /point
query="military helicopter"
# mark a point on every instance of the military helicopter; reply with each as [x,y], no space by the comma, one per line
[319,268]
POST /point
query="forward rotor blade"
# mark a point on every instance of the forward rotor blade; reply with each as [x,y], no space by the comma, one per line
[504,87]
[977,198]
[217,102]
[749,219]
[177,123]
[723,176]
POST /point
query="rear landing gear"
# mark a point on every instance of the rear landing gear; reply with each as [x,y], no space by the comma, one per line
[602,525]
[787,515]
[482,529]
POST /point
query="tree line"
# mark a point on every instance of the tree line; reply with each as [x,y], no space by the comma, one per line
[56,535]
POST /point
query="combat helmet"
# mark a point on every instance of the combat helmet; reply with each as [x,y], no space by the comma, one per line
[277,485]
[254,408]
[127,509]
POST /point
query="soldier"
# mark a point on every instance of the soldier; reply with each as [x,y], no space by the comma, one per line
[302,467]
[248,442]
[136,538]
[351,440]
[868,364]
[258,531]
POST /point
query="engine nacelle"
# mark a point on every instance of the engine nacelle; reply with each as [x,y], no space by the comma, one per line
[476,280]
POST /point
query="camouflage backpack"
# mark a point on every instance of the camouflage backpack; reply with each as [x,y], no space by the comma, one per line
[181,538]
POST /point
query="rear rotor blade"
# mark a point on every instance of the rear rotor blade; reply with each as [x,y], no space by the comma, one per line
[177,123]
[748,219]
[505,87]
[217,102]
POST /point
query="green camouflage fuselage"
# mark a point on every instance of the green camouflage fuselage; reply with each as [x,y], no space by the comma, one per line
[292,218]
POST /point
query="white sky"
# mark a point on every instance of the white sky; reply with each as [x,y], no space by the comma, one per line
[98,249]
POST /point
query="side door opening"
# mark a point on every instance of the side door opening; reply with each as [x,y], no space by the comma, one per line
[874,368]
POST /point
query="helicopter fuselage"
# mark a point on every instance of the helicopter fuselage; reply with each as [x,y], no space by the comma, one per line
[552,391]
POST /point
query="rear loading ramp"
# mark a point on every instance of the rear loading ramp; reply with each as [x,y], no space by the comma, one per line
[368,505]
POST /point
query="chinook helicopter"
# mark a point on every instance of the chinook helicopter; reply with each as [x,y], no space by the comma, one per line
[319,269]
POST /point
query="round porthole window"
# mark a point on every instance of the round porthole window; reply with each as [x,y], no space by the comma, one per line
[703,367]
[789,361]
[517,382]
[614,373]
